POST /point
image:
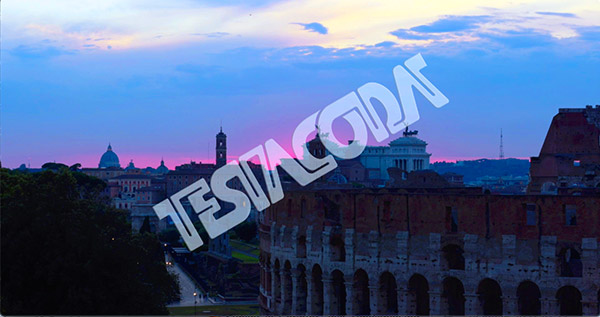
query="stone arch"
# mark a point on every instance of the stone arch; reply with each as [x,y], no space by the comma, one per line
[338,296]
[316,295]
[301,247]
[276,282]
[528,294]
[570,262]
[453,297]
[361,300]
[337,248]
[301,290]
[418,295]
[569,300]
[452,257]
[286,283]
[388,294]
[490,297]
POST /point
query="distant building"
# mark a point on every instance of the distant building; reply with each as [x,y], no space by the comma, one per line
[570,157]
[221,148]
[407,153]
[109,159]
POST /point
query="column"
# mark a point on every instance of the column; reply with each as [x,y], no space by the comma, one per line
[295,285]
[349,283]
[435,301]
[549,306]
[309,294]
[510,305]
[327,292]
[471,304]
[284,295]
[273,292]
[268,273]
[589,305]
[374,298]
[402,300]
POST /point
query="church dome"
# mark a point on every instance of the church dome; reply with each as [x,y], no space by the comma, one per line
[162,169]
[109,159]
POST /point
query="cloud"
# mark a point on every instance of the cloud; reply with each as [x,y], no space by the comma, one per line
[314,27]
[590,33]
[212,34]
[526,38]
[558,14]
[452,23]
[406,34]
[39,51]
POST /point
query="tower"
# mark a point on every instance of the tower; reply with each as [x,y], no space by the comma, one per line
[221,148]
[501,146]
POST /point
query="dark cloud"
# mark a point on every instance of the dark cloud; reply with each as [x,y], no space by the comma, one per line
[314,27]
[558,14]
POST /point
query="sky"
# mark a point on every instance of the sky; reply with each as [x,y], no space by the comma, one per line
[157,79]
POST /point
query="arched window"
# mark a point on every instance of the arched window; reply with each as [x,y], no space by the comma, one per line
[453,258]
[570,263]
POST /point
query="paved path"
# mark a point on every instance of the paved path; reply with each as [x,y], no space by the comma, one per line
[187,287]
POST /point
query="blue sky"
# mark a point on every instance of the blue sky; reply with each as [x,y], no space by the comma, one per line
[156,78]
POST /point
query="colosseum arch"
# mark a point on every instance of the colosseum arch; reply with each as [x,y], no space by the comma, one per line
[337,248]
[301,247]
[569,301]
[570,262]
[528,294]
[388,294]
[452,258]
[301,290]
[316,295]
[361,300]
[453,297]
[490,297]
[418,295]
[276,283]
[286,296]
[338,296]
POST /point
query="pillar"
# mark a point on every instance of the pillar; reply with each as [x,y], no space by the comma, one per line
[402,299]
[284,295]
[374,297]
[327,292]
[349,283]
[309,294]
[295,285]
[435,301]
[549,306]
[471,304]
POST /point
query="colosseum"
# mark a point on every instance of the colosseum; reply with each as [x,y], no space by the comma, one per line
[429,251]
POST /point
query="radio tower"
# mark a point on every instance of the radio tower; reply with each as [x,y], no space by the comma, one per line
[501,146]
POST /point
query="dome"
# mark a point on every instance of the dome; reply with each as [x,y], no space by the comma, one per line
[162,169]
[109,159]
[407,140]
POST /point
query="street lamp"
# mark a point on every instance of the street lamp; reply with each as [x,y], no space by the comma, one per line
[195,303]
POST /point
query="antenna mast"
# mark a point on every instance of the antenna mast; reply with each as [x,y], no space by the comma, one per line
[501,146]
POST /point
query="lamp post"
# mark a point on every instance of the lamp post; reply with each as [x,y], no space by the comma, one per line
[195,303]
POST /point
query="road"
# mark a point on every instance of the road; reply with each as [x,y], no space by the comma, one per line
[187,287]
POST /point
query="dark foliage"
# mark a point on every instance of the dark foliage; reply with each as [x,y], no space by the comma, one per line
[65,251]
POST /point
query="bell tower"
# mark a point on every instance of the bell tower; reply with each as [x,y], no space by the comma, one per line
[221,149]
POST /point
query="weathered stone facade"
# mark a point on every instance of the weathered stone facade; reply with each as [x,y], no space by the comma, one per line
[436,251]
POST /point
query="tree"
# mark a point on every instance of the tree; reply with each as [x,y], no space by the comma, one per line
[246,231]
[65,251]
